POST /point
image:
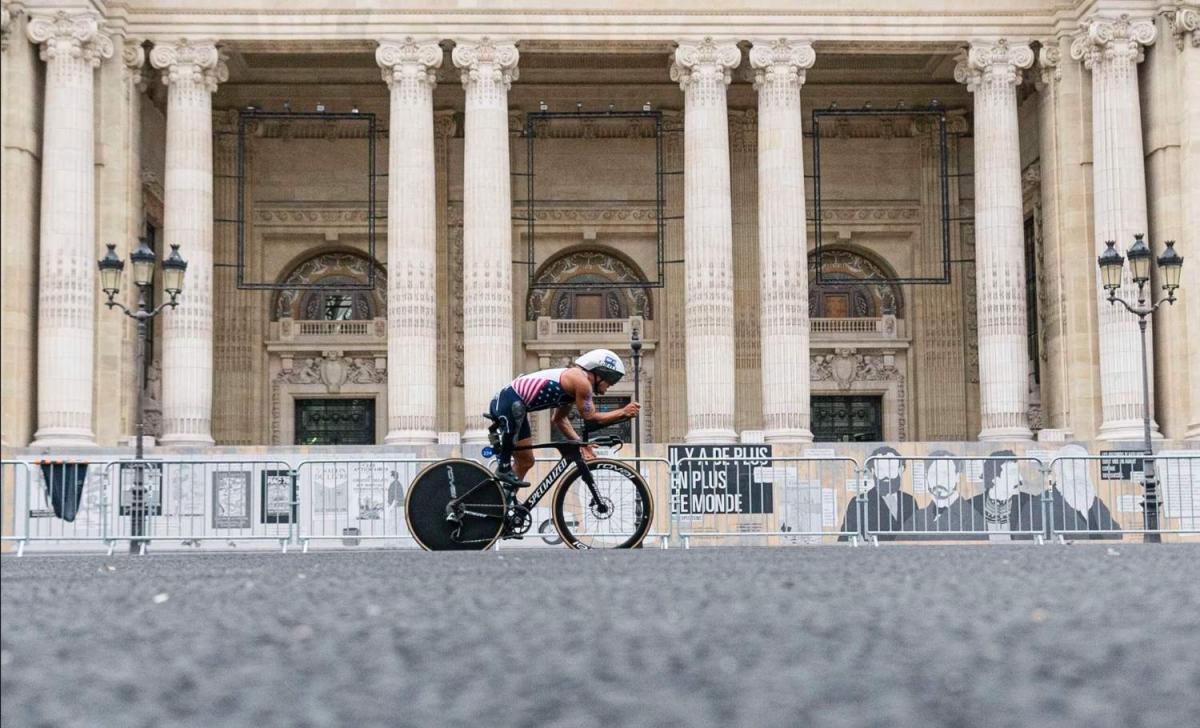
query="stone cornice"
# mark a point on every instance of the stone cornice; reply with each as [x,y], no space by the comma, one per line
[643,22]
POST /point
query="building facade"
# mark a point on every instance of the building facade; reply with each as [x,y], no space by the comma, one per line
[823,220]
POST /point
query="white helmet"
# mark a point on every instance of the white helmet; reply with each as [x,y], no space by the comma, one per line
[604,364]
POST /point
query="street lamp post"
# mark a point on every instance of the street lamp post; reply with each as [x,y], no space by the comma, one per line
[111,267]
[635,345]
[1111,269]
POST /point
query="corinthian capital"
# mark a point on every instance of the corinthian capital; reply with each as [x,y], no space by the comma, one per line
[486,60]
[1106,40]
[781,60]
[1049,60]
[190,61]
[70,36]
[707,60]
[998,62]
[409,60]
[1185,22]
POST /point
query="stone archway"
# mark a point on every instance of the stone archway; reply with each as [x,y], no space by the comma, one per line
[331,269]
[869,295]
[595,271]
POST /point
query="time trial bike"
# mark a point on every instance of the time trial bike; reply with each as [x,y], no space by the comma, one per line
[458,504]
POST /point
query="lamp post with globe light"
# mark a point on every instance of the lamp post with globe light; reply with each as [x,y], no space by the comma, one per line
[1112,266]
[111,268]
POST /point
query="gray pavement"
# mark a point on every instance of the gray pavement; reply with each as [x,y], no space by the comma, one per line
[988,635]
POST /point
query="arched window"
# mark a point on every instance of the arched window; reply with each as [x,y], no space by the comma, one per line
[860,289]
[594,271]
[332,303]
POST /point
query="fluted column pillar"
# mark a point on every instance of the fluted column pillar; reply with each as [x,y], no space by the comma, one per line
[1111,50]
[780,68]
[410,71]
[1185,25]
[703,71]
[191,71]
[992,72]
[72,47]
[488,69]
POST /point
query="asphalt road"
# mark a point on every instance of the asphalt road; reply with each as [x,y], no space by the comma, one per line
[986,635]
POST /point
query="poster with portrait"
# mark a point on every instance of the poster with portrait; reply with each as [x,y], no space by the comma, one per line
[231,499]
[278,493]
[151,482]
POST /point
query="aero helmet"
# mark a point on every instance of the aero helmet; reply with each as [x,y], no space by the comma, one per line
[604,364]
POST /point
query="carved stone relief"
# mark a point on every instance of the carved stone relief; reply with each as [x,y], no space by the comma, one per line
[331,373]
[849,371]
[588,266]
[342,267]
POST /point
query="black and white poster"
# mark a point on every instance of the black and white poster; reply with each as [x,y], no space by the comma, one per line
[151,483]
[231,499]
[720,479]
[278,492]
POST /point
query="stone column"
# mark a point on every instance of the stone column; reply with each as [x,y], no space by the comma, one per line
[703,71]
[409,69]
[488,69]
[72,47]
[1111,49]
[782,241]
[1185,24]
[992,72]
[191,70]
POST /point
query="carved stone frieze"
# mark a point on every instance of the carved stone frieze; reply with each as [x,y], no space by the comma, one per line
[845,367]
[332,369]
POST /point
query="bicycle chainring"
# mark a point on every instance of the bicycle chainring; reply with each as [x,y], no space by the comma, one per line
[519,520]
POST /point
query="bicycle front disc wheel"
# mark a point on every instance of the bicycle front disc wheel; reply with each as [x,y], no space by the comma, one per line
[474,525]
[616,516]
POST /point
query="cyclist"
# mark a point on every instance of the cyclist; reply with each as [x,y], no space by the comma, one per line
[592,373]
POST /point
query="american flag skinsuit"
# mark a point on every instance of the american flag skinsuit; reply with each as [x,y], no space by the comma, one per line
[541,390]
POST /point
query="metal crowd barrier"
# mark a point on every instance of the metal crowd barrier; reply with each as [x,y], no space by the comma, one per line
[188,502]
[786,500]
[952,498]
[345,502]
[1104,496]
[697,500]
[15,477]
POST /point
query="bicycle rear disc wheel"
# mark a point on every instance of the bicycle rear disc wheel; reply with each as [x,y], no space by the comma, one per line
[431,491]
[620,520]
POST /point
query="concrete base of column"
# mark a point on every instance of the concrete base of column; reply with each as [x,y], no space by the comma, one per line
[410,437]
[713,436]
[1005,433]
[63,437]
[474,437]
[1127,431]
[785,436]
[187,441]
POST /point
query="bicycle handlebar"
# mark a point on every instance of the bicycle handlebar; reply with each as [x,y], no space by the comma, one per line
[603,441]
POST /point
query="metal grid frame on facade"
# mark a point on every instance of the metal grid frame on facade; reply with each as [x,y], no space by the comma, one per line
[532,120]
[944,178]
[249,116]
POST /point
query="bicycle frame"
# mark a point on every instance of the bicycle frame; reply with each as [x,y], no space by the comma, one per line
[570,455]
